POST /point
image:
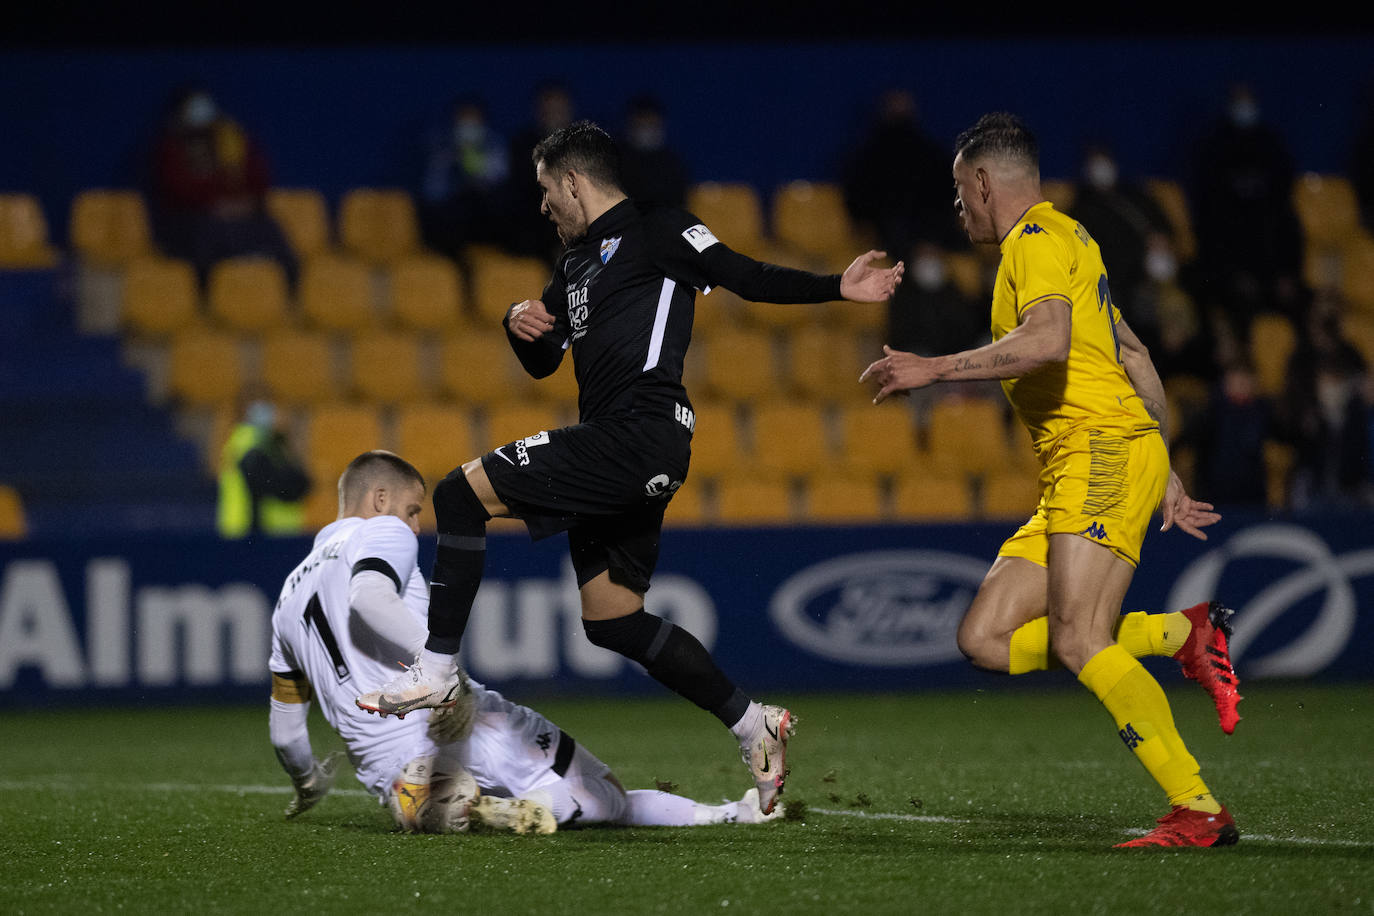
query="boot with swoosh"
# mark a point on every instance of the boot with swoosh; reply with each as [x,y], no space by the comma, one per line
[765,754]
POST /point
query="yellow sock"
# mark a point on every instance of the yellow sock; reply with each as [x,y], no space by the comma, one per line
[1144,634]
[1138,706]
[1030,647]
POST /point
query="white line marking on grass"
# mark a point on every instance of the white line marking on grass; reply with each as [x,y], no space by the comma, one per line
[14,785]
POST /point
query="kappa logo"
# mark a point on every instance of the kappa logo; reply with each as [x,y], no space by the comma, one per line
[1030,229]
[608,248]
[1095,531]
[545,741]
[1130,737]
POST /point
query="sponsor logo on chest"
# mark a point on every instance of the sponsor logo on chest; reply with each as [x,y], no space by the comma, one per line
[578,309]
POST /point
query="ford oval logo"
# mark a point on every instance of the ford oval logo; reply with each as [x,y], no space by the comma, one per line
[885,608]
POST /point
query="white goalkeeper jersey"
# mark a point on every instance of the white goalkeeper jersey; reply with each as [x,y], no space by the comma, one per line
[316,634]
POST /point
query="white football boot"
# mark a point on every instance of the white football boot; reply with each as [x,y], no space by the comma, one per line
[413,689]
[511,815]
[765,754]
[748,810]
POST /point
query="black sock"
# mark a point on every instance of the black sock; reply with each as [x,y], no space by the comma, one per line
[674,658]
[458,562]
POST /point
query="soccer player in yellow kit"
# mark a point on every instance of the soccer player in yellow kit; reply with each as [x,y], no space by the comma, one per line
[1084,386]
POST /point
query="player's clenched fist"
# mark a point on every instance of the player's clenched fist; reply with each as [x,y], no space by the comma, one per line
[529,320]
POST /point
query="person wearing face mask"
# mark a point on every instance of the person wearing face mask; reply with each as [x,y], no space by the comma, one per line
[464,186]
[1166,317]
[1250,243]
[651,170]
[262,485]
[928,314]
[1123,217]
[209,182]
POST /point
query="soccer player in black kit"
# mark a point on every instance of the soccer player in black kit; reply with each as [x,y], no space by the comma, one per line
[621,298]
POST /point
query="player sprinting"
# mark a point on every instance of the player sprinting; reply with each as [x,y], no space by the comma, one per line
[621,300]
[352,611]
[1084,386]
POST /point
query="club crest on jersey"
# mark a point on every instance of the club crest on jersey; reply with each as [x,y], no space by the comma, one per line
[608,247]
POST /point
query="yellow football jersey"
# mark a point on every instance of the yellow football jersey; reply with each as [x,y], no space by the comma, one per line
[1049,255]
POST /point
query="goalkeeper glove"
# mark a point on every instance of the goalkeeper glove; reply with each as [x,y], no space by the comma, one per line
[315,785]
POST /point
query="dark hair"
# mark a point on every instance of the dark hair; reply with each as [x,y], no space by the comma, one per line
[1000,134]
[370,468]
[584,147]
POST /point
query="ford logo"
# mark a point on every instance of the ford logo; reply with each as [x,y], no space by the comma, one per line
[885,608]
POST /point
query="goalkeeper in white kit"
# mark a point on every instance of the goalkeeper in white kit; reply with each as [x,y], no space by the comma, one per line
[353,611]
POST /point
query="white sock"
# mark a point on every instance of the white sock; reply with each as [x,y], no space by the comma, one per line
[651,808]
[437,663]
[750,722]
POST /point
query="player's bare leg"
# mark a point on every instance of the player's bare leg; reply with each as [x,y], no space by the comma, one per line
[1087,583]
[463,503]
[1011,595]
[614,618]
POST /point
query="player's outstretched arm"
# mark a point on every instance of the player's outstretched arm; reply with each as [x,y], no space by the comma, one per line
[863,281]
[1182,511]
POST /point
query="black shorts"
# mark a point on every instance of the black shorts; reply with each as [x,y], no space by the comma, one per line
[605,482]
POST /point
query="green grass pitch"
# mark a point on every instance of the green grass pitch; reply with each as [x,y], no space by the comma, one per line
[970,802]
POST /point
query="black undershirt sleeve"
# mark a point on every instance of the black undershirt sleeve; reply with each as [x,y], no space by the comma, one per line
[542,357]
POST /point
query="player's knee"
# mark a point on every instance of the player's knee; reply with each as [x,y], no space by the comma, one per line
[633,635]
[456,505]
[980,645]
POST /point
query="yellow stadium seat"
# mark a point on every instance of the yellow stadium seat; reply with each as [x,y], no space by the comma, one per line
[1172,199]
[508,422]
[1272,339]
[322,502]
[1059,192]
[1010,494]
[426,293]
[841,499]
[560,388]
[717,447]
[688,506]
[740,365]
[499,281]
[248,293]
[336,294]
[812,216]
[378,225]
[13,522]
[879,439]
[204,367]
[298,367]
[1327,208]
[732,211]
[160,296]
[1359,330]
[110,227]
[825,364]
[24,233]
[388,367]
[968,435]
[304,219]
[478,367]
[718,310]
[790,438]
[966,273]
[1357,274]
[337,433]
[933,497]
[436,437]
[1279,458]
[753,500]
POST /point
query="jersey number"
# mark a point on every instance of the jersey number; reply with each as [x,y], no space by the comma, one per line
[314,616]
[1104,302]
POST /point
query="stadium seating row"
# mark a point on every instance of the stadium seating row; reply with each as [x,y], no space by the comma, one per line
[13,520]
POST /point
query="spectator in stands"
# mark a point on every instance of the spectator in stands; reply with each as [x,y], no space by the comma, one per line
[262,485]
[1229,436]
[896,182]
[1326,414]
[1124,219]
[530,232]
[1362,162]
[1250,243]
[465,186]
[210,181]
[1166,318]
[928,314]
[650,169]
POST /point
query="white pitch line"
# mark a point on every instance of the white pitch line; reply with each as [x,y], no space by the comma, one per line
[35,786]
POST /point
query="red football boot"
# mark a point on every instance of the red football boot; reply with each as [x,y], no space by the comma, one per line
[1206,659]
[1188,827]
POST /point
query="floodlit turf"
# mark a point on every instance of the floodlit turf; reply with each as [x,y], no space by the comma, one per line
[977,802]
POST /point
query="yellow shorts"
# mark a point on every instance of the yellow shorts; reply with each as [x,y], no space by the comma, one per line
[1099,484]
